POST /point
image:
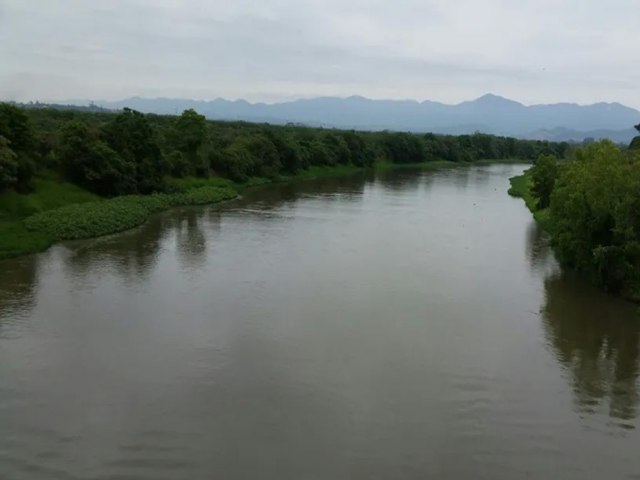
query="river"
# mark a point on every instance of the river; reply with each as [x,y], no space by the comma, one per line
[402,325]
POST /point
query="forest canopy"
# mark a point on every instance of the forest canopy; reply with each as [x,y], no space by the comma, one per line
[127,152]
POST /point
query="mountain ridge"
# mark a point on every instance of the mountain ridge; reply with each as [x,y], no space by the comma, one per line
[489,113]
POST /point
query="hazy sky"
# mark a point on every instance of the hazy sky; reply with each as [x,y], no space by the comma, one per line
[529,50]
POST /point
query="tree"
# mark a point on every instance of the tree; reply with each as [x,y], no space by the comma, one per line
[544,175]
[8,165]
[235,162]
[404,148]
[595,216]
[131,136]
[338,149]
[635,143]
[188,137]
[265,155]
[319,154]
[16,129]
[288,150]
[361,153]
[92,164]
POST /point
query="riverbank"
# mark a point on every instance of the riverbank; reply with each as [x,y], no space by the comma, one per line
[521,188]
[58,210]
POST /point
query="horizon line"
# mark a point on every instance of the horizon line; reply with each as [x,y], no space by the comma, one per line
[87,101]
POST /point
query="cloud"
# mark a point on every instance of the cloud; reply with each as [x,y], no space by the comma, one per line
[542,51]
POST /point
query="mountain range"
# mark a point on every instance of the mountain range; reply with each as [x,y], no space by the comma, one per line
[489,114]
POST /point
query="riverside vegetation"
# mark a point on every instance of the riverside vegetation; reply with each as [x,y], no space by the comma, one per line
[76,173]
[590,206]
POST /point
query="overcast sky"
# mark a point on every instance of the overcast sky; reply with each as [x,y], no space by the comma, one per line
[534,51]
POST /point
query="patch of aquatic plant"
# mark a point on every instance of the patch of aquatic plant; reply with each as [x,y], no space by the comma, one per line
[104,217]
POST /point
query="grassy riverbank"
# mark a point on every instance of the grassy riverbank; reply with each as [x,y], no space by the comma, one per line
[58,210]
[521,188]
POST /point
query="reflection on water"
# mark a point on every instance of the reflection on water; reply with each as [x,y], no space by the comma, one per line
[18,280]
[399,181]
[131,255]
[538,249]
[271,197]
[595,337]
[597,340]
[190,237]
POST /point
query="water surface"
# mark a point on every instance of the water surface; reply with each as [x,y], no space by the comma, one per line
[406,325]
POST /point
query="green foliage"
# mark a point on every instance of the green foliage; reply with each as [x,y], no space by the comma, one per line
[190,130]
[404,148]
[188,137]
[128,152]
[544,175]
[288,150]
[132,137]
[595,214]
[91,163]
[15,127]
[48,193]
[8,165]
[104,217]
[17,149]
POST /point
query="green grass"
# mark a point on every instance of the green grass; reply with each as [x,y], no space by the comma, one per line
[16,240]
[48,194]
[521,188]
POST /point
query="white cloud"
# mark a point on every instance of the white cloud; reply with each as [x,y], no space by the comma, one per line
[533,51]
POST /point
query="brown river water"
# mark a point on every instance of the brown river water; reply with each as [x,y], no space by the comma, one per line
[399,325]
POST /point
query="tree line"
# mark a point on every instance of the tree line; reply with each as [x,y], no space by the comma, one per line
[127,152]
[593,209]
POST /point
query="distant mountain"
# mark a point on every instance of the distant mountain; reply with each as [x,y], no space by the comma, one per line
[489,114]
[560,134]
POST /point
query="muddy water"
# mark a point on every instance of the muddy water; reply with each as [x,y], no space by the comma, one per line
[405,325]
